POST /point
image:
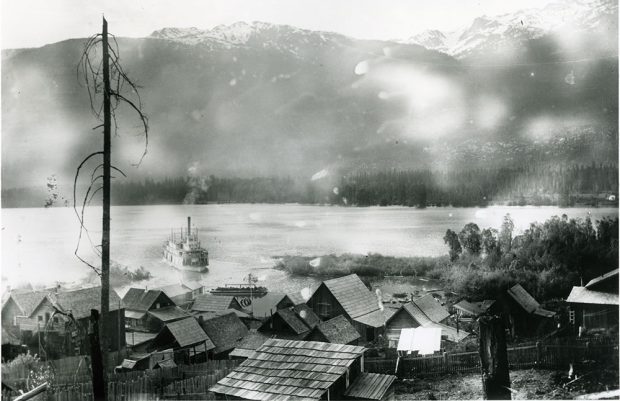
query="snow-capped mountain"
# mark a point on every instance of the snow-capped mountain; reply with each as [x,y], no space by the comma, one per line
[487,35]
[242,34]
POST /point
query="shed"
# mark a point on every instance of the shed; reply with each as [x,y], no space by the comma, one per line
[293,323]
[292,370]
[523,315]
[432,308]
[371,386]
[466,309]
[138,302]
[348,296]
[337,330]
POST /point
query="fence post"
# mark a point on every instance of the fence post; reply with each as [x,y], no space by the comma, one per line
[445,362]
[538,353]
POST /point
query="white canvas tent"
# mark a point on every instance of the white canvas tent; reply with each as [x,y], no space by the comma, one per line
[424,340]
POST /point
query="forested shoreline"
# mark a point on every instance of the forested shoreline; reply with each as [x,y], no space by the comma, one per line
[576,185]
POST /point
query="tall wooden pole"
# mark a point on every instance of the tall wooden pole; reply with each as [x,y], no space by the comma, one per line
[494,359]
[105,240]
[96,359]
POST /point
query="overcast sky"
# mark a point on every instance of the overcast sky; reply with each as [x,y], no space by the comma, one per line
[33,23]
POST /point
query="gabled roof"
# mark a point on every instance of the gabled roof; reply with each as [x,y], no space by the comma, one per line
[136,337]
[523,298]
[354,297]
[212,303]
[175,290]
[296,298]
[267,305]
[186,332]
[431,308]
[582,295]
[225,331]
[527,302]
[142,300]
[80,302]
[608,280]
[370,386]
[289,370]
[338,330]
[416,313]
[27,302]
[169,313]
[293,321]
[305,313]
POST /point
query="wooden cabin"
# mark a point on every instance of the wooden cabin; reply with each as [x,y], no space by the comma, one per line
[594,307]
[225,332]
[139,302]
[267,305]
[186,338]
[523,315]
[348,296]
[321,371]
[293,323]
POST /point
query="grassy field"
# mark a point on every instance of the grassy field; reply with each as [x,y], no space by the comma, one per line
[526,384]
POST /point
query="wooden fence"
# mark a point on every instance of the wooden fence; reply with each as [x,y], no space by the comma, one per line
[539,355]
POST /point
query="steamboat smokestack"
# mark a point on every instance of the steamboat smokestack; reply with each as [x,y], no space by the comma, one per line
[189,226]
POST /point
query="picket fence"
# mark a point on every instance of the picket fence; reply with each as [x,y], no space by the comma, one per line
[537,355]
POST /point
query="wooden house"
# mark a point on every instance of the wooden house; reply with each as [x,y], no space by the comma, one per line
[294,323]
[523,315]
[337,330]
[411,315]
[137,341]
[18,310]
[225,331]
[179,294]
[282,369]
[348,296]
[78,304]
[139,302]
[186,338]
[215,304]
[268,304]
[594,307]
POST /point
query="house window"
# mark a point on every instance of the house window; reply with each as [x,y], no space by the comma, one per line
[370,333]
[55,319]
[571,316]
[39,318]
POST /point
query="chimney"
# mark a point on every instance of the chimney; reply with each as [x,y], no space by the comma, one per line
[189,226]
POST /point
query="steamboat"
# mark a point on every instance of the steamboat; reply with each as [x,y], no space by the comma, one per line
[184,252]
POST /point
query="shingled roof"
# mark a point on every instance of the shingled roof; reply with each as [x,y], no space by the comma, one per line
[269,303]
[370,386]
[140,299]
[174,290]
[527,302]
[289,370]
[80,302]
[338,330]
[431,308]
[184,333]
[225,331]
[212,303]
[293,321]
[305,313]
[168,313]
[608,281]
[356,299]
[27,302]
[582,295]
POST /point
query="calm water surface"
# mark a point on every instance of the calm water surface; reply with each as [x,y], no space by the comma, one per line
[38,244]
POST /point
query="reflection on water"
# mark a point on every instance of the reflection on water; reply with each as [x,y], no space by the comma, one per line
[38,244]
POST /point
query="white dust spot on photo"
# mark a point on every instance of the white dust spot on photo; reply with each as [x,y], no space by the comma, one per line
[362,67]
[345,201]
[315,262]
[305,293]
[379,300]
[336,191]
[570,78]
[302,314]
[321,174]
[232,82]
[300,224]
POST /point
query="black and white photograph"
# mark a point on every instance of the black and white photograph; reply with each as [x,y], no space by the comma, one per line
[309,200]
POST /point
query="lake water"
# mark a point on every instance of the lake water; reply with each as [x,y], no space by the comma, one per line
[38,244]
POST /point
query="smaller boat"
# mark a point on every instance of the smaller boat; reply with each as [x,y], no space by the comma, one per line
[185,252]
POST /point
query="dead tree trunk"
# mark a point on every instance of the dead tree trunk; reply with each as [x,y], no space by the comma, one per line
[96,360]
[494,359]
[105,239]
